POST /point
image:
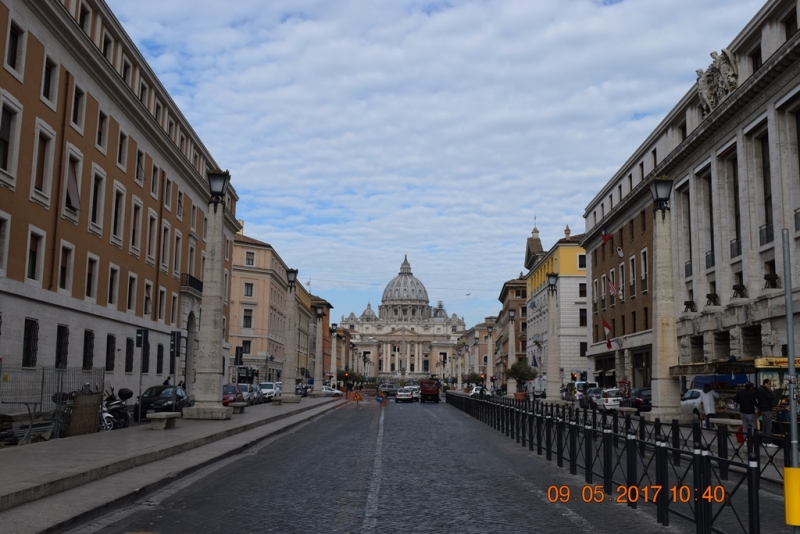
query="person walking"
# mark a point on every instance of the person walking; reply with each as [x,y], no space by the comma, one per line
[746,399]
[765,401]
[709,399]
[167,382]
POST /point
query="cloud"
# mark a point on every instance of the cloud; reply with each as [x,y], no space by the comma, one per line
[358,131]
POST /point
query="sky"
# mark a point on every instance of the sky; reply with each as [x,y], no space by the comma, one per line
[360,131]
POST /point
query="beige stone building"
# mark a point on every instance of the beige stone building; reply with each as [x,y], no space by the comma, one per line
[103,199]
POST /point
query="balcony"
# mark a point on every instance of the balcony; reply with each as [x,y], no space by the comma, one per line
[736,247]
[710,262]
[191,285]
[765,234]
[687,270]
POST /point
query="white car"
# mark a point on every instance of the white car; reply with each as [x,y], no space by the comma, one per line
[404,395]
[610,399]
[691,404]
[247,393]
[479,391]
[416,392]
[328,391]
[269,390]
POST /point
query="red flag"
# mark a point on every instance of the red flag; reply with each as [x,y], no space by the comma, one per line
[607,328]
[608,343]
[605,235]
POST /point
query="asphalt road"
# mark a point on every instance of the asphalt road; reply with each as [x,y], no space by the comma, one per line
[366,468]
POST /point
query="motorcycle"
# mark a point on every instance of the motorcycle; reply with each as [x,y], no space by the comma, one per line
[117,408]
[106,419]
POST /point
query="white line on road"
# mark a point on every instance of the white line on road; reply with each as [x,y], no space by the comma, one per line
[371,514]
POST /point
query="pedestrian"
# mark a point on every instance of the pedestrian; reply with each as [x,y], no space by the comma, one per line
[765,400]
[746,399]
[709,399]
[167,382]
[181,384]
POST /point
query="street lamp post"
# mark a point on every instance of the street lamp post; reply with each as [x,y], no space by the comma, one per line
[666,389]
[511,384]
[334,341]
[319,360]
[488,357]
[208,358]
[553,387]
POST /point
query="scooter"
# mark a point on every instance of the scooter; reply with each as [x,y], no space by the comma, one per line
[117,407]
[106,419]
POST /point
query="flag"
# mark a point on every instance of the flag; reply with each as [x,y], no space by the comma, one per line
[535,363]
[608,343]
[605,235]
[612,287]
[607,328]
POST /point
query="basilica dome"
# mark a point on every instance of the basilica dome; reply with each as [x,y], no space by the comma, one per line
[405,288]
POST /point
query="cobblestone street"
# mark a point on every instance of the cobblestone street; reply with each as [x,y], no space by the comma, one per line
[363,468]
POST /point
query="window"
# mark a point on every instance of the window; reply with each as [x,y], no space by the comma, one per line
[227,249]
[36,251]
[66,267]
[113,286]
[248,289]
[78,108]
[146,357]
[126,71]
[766,235]
[30,343]
[173,311]
[612,294]
[50,82]
[154,182]
[176,262]
[43,163]
[246,346]
[157,112]
[108,47]
[160,359]
[646,319]
[621,287]
[193,221]
[148,298]
[152,229]
[15,50]
[91,276]
[205,228]
[179,213]
[249,258]
[225,288]
[755,59]
[582,290]
[111,352]
[140,167]
[102,132]
[131,302]
[644,271]
[85,19]
[162,303]
[582,316]
[62,346]
[9,139]
[190,267]
[247,319]
[790,24]
[97,202]
[183,144]
[129,355]
[143,93]
[165,228]
[88,349]
[5,225]
[168,194]
[122,151]
[581,261]
[136,225]
[171,129]
[118,214]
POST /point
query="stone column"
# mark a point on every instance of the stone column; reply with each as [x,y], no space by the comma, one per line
[458,370]
[289,374]
[489,362]
[334,342]
[208,357]
[319,361]
[666,389]
[553,388]
[511,384]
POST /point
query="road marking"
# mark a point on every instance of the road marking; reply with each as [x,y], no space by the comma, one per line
[371,514]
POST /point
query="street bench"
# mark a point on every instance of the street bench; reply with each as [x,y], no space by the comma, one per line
[627,409]
[732,424]
[163,420]
[276,401]
[238,407]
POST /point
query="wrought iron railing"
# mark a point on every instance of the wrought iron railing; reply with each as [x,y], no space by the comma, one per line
[736,248]
[187,280]
[710,261]
[765,234]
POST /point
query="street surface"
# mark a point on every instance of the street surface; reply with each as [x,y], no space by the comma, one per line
[366,468]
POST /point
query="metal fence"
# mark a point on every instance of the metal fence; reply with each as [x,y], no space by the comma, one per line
[39,389]
[711,478]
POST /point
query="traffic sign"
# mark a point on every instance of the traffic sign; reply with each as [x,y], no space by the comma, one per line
[357,397]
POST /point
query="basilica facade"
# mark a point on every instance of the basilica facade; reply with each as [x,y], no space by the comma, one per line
[408,339]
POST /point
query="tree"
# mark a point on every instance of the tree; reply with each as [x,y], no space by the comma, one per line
[522,372]
[474,378]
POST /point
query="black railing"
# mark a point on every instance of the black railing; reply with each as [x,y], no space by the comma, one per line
[765,234]
[710,262]
[736,247]
[187,280]
[710,478]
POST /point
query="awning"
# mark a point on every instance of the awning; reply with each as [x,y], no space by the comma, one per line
[713,368]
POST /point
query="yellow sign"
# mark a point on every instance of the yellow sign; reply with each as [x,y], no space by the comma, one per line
[357,397]
[766,363]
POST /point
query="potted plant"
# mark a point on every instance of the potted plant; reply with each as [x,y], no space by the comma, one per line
[522,373]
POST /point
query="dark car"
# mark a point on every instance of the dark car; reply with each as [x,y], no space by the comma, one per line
[589,399]
[231,393]
[162,399]
[641,399]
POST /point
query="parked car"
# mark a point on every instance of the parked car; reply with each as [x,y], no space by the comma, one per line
[247,393]
[328,391]
[389,389]
[691,405]
[591,397]
[162,399]
[300,389]
[416,392]
[581,387]
[269,390]
[404,395]
[231,393]
[640,398]
[610,399]
[258,396]
[479,391]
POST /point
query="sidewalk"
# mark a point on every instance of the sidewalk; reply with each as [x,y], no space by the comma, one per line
[42,471]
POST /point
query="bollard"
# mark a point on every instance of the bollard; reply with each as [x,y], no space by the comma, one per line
[560,441]
[704,502]
[642,436]
[588,447]
[573,445]
[722,451]
[676,443]
[697,473]
[662,479]
[531,416]
[753,470]
[608,458]
[630,456]
[539,416]
[548,434]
